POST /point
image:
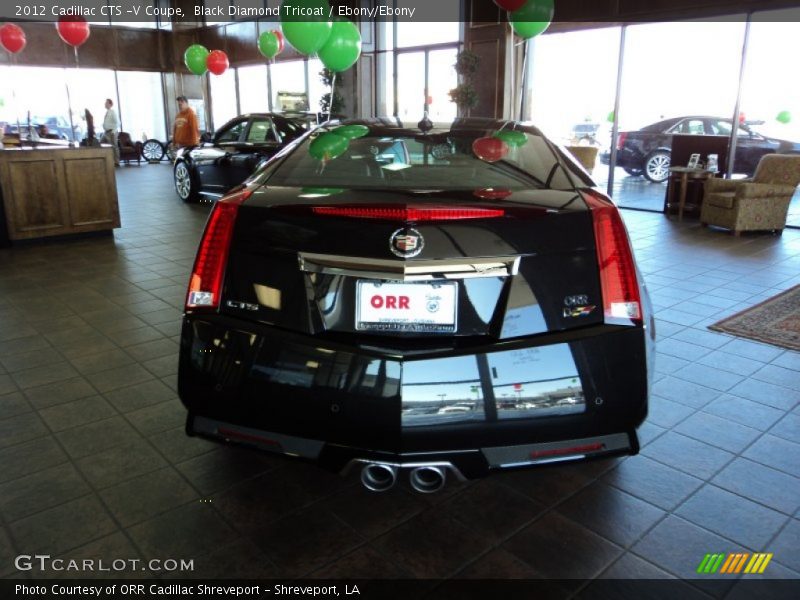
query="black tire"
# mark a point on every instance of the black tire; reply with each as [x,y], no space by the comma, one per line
[170,151]
[656,166]
[185,185]
[153,150]
[633,172]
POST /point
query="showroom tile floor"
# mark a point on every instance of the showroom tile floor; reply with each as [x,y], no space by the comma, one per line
[94,462]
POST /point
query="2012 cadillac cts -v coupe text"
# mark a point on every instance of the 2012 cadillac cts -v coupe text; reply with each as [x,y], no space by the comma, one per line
[441,301]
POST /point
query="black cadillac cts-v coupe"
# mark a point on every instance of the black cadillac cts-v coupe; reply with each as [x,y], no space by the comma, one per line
[439,301]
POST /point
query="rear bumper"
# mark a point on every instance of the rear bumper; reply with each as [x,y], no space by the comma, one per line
[554,397]
[470,463]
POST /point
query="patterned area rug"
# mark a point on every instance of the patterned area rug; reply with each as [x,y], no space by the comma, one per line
[775,321]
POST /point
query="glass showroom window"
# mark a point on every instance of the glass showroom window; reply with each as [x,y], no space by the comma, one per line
[424,57]
[559,104]
[384,87]
[223,97]
[253,90]
[289,86]
[699,79]
[88,89]
[41,95]
[771,93]
[441,79]
[141,105]
[556,102]
[410,85]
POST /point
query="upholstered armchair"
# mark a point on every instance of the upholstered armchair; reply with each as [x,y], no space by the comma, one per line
[756,204]
[128,149]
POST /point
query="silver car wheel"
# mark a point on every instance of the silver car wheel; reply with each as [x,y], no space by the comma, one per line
[657,167]
[153,150]
[183,181]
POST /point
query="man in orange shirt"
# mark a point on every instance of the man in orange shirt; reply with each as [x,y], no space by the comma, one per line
[185,131]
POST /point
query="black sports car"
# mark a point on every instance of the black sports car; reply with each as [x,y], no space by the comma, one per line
[647,151]
[389,298]
[235,151]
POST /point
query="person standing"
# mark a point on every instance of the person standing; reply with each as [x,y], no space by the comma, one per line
[110,128]
[185,131]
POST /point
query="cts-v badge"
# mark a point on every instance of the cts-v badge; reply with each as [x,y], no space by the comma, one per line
[406,243]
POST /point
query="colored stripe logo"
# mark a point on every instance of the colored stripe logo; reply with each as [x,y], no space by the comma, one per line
[734,562]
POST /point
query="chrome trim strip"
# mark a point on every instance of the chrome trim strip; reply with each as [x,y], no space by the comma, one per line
[514,456]
[291,445]
[418,270]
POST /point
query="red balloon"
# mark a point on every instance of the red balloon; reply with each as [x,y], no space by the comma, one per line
[490,149]
[742,118]
[73,29]
[217,62]
[281,40]
[510,5]
[12,38]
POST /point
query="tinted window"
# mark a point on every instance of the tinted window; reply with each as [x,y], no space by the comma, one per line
[288,129]
[724,128]
[261,131]
[231,133]
[691,127]
[440,161]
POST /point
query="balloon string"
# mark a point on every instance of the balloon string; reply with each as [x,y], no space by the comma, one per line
[69,98]
[333,96]
[513,76]
[523,78]
[14,100]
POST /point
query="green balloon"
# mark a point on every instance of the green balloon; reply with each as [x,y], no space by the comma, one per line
[784,117]
[268,44]
[195,58]
[343,47]
[512,138]
[532,19]
[328,146]
[611,116]
[352,132]
[305,24]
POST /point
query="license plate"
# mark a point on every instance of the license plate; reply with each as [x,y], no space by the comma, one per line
[396,306]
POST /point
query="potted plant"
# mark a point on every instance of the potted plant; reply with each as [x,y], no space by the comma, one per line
[465,97]
[464,94]
[328,108]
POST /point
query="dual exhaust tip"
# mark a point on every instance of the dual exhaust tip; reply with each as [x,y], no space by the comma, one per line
[380,477]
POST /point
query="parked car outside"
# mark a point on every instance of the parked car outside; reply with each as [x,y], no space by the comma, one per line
[585,134]
[60,125]
[647,151]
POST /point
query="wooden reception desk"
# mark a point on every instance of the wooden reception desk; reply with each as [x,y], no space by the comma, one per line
[49,191]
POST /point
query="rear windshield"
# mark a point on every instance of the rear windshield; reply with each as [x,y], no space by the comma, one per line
[453,160]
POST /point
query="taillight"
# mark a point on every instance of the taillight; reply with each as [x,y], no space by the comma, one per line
[621,302]
[408,213]
[205,286]
[621,140]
